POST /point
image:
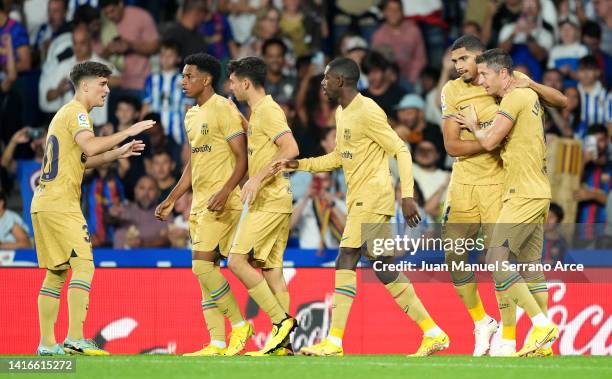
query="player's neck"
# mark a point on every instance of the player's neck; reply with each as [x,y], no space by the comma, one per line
[347,97]
[81,99]
[206,94]
[506,87]
[255,96]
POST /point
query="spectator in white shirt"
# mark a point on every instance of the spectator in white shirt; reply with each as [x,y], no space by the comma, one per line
[55,89]
[13,231]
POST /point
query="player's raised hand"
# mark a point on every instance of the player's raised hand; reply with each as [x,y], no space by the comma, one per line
[411,211]
[249,191]
[131,149]
[217,201]
[284,165]
[164,209]
[139,127]
[467,118]
[519,83]
[21,136]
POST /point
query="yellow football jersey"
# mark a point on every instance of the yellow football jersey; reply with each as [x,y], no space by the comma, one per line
[64,162]
[524,150]
[484,168]
[266,124]
[209,127]
[364,143]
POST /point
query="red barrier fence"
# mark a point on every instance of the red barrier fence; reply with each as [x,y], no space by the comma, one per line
[134,311]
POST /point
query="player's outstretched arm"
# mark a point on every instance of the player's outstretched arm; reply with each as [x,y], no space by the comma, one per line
[130,149]
[548,95]
[287,149]
[164,209]
[238,146]
[92,145]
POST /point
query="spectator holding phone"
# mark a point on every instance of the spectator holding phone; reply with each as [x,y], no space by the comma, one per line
[26,171]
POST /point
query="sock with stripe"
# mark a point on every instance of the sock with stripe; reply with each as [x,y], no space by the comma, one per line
[48,305]
[263,296]
[284,300]
[403,292]
[539,291]
[514,287]
[215,323]
[78,295]
[344,293]
[210,277]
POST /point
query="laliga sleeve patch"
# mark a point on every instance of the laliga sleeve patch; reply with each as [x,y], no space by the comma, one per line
[83,120]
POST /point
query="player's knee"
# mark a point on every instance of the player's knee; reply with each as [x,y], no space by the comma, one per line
[82,267]
[347,259]
[200,267]
[55,279]
[236,263]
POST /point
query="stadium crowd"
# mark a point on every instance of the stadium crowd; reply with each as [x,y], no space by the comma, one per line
[400,46]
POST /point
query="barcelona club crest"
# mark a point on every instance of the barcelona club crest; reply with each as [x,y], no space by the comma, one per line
[204,129]
[347,134]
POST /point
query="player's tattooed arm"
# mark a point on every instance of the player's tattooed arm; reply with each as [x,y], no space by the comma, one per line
[548,95]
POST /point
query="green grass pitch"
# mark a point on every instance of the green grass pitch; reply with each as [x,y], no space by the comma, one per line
[351,367]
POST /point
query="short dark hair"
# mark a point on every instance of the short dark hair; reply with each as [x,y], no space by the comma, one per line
[556,71]
[374,60]
[384,4]
[206,63]
[85,14]
[473,24]
[469,42]
[588,63]
[189,5]
[64,3]
[88,69]
[105,3]
[130,100]
[591,29]
[597,129]
[273,41]
[252,68]
[171,44]
[496,59]
[557,210]
[162,152]
[345,67]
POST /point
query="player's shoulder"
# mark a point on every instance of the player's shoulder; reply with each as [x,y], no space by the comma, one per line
[367,105]
[521,95]
[74,111]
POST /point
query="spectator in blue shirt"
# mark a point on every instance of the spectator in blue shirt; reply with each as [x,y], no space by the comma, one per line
[20,39]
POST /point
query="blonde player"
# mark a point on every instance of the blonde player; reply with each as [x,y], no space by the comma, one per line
[218,162]
[364,143]
[262,235]
[475,195]
[60,230]
[518,129]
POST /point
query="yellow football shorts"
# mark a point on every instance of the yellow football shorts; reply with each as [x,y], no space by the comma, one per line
[365,228]
[264,234]
[520,227]
[57,236]
[213,230]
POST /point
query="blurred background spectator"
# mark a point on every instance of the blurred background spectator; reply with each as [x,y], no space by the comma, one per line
[13,231]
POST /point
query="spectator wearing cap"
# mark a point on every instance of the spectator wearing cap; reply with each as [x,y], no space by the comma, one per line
[13,231]
[403,39]
[280,86]
[565,56]
[410,113]
[385,92]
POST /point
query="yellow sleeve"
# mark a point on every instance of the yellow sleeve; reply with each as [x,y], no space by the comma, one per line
[512,104]
[276,123]
[327,162]
[379,131]
[231,125]
[447,100]
[404,166]
[78,122]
